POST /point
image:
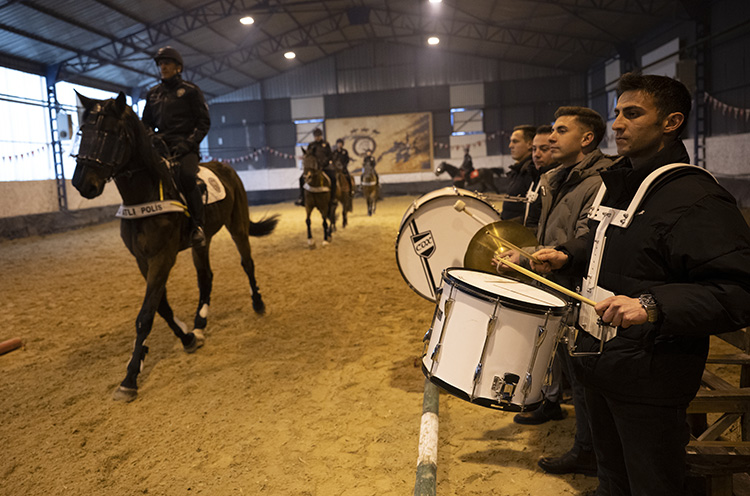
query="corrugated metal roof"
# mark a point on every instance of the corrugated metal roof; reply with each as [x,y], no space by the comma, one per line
[112,41]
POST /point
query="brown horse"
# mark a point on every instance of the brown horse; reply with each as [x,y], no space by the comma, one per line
[370,187]
[344,190]
[317,189]
[114,145]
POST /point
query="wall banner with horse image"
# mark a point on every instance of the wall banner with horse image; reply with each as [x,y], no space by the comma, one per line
[399,142]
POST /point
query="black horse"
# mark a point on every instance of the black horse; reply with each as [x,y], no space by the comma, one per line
[114,145]
[482,179]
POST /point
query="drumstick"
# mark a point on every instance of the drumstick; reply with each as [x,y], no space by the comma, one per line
[547,282]
[461,207]
[514,247]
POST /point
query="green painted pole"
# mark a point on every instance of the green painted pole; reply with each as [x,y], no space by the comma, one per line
[426,484]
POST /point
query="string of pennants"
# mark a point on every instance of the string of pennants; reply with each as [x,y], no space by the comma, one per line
[253,156]
[26,155]
[737,112]
[714,103]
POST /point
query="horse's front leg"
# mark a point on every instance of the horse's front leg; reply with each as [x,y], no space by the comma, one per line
[157,272]
[191,341]
[205,283]
[310,241]
[326,230]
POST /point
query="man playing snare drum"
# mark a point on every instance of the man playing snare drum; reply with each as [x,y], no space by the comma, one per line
[673,268]
[566,195]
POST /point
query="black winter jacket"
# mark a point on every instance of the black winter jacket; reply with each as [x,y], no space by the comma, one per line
[177,111]
[520,176]
[689,246]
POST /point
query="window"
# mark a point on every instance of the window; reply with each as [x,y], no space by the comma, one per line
[467,121]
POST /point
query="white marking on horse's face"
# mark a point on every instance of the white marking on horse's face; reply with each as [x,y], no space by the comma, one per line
[204,311]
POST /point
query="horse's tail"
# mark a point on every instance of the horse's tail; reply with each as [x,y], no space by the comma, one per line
[264,227]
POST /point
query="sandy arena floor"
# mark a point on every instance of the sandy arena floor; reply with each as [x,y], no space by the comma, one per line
[321,396]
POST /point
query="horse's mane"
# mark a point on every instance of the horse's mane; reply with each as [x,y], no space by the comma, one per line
[145,149]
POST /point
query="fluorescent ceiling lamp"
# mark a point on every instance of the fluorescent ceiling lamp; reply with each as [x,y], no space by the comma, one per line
[247,20]
[433,40]
[435,1]
[290,55]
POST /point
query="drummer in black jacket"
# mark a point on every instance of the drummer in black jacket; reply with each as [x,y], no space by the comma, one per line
[176,113]
[679,272]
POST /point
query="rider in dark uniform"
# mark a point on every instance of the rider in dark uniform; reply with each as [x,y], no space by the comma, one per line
[369,160]
[341,155]
[467,167]
[322,152]
[176,112]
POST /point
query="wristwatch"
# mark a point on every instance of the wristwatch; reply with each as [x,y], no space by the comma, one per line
[648,302]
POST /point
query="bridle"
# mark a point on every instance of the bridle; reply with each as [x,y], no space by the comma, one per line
[101,143]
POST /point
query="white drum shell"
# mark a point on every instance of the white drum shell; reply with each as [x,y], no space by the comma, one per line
[510,348]
[434,236]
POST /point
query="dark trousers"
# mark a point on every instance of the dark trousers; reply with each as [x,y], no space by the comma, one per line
[640,449]
[583,439]
[186,172]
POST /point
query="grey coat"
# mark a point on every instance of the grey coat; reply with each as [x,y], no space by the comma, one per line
[566,195]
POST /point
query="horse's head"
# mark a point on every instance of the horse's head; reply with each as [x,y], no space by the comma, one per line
[104,144]
[440,168]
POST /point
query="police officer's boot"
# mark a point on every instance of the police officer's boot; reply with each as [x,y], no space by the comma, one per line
[197,214]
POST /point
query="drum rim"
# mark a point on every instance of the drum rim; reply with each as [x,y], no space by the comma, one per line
[481,401]
[460,192]
[457,191]
[536,308]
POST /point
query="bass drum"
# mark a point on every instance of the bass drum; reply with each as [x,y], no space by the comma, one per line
[433,236]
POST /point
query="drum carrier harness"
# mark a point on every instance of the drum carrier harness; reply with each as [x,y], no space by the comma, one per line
[588,320]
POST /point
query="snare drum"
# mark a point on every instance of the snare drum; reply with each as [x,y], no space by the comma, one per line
[492,339]
[433,236]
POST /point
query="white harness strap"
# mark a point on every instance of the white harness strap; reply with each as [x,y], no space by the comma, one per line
[607,216]
[149,209]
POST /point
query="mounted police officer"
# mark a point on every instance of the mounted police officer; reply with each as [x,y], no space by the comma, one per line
[341,156]
[321,150]
[176,113]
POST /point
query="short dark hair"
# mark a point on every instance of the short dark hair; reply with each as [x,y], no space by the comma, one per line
[544,129]
[590,119]
[340,141]
[317,132]
[527,130]
[669,95]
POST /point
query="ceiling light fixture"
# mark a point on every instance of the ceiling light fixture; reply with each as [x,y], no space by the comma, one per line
[436,1]
[247,20]
[290,55]
[433,40]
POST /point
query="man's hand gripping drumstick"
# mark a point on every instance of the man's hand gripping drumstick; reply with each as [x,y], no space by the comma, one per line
[618,310]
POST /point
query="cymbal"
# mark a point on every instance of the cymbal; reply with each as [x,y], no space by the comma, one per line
[483,246]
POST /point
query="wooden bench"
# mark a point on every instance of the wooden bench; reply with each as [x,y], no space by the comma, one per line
[723,463]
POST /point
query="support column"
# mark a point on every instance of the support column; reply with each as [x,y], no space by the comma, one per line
[53,107]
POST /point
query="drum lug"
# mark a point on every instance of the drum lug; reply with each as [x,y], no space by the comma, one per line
[448,307]
[526,385]
[505,387]
[540,332]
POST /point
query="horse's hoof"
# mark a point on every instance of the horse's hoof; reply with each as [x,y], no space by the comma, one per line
[125,394]
[198,340]
[259,307]
[326,243]
[310,244]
